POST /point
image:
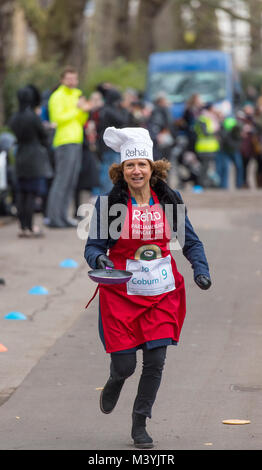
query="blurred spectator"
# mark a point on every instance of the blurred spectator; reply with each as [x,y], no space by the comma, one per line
[32,159]
[115,113]
[8,189]
[251,94]
[92,125]
[126,105]
[129,97]
[161,127]
[207,127]
[247,147]
[103,88]
[257,140]
[230,145]
[141,112]
[90,169]
[3,171]
[68,110]
[187,123]
[50,131]
[187,164]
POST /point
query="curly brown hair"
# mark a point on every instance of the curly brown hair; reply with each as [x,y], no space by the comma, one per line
[159,168]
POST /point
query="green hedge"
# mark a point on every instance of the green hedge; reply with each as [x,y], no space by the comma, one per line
[120,73]
[42,75]
[253,77]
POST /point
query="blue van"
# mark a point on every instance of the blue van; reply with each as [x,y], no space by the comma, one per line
[180,74]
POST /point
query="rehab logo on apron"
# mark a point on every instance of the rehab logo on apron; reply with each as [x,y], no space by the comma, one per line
[147,223]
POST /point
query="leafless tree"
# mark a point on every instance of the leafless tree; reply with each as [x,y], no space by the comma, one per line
[58,27]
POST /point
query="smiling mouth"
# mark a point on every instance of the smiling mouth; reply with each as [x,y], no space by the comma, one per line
[138,179]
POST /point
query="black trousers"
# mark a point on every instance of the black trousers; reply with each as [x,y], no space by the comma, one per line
[124,365]
[25,209]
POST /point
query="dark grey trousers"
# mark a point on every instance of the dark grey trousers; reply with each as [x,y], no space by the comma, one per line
[68,160]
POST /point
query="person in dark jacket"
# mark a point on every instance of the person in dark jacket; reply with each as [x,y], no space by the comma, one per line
[161,127]
[148,312]
[187,122]
[230,144]
[247,144]
[113,113]
[32,158]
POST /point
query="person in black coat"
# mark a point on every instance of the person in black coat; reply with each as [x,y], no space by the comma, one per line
[113,113]
[32,158]
[161,127]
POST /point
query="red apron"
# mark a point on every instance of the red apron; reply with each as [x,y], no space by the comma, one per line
[152,305]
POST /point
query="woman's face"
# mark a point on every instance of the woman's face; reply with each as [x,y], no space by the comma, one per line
[137,173]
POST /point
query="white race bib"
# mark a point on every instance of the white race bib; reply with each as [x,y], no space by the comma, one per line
[150,277]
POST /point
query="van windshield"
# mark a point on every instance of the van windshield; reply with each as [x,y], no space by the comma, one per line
[179,86]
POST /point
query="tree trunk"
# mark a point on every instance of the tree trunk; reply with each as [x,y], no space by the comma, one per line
[179,28]
[206,27]
[58,26]
[144,42]
[121,43]
[255,11]
[6,16]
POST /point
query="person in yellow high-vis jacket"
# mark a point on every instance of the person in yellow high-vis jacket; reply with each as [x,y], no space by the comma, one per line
[207,143]
[68,111]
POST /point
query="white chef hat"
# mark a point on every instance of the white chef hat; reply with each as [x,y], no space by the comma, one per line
[131,142]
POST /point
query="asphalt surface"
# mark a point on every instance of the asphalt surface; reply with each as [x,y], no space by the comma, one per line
[55,365]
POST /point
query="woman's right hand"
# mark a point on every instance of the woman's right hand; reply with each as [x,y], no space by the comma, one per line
[102,262]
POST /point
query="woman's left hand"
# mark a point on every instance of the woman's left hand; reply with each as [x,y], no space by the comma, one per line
[203,281]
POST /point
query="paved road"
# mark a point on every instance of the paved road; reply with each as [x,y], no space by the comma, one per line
[55,363]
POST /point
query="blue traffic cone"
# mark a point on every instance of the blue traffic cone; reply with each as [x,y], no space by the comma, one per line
[197,189]
[15,316]
[68,263]
[38,290]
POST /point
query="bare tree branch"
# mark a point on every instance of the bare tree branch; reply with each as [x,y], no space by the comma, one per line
[144,40]
[217,5]
[56,25]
